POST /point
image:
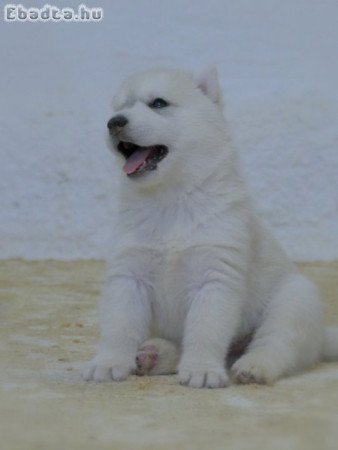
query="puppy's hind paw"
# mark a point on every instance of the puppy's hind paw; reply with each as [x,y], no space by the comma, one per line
[146,359]
[157,357]
[253,369]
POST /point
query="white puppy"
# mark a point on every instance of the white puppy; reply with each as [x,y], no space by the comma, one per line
[191,260]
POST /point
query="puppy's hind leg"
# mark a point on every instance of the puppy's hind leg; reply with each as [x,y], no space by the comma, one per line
[157,356]
[290,336]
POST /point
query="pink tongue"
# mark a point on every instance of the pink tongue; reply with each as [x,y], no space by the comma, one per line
[135,161]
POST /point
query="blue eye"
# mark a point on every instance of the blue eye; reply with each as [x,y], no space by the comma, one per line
[158,103]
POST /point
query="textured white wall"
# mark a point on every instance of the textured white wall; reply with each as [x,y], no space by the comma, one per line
[279,70]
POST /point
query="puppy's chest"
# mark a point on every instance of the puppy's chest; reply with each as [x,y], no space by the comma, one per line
[172,276]
[172,279]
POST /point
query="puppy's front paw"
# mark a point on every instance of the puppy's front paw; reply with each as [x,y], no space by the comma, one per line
[253,368]
[107,369]
[203,377]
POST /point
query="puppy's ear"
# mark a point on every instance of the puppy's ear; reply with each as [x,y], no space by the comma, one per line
[208,82]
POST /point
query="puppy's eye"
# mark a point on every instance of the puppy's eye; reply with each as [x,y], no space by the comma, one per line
[158,103]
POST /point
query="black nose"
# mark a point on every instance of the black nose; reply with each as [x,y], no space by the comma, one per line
[117,122]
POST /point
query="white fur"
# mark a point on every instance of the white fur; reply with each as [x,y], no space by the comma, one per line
[191,258]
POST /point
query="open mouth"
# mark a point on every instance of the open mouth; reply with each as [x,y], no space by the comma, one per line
[141,159]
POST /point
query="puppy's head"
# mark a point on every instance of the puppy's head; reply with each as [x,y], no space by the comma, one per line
[167,126]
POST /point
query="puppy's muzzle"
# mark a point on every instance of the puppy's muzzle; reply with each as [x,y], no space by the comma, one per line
[116,123]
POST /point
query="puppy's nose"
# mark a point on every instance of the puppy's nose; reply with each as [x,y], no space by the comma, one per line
[117,122]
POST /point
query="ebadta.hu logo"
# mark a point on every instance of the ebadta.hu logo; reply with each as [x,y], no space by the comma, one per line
[19,13]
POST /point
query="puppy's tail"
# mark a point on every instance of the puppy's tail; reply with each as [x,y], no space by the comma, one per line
[330,345]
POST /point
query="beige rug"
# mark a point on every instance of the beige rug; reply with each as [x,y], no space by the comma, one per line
[48,329]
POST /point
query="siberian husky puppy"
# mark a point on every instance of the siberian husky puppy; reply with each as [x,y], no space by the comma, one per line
[190,259]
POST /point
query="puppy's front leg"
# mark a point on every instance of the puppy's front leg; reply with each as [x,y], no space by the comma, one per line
[210,325]
[124,318]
